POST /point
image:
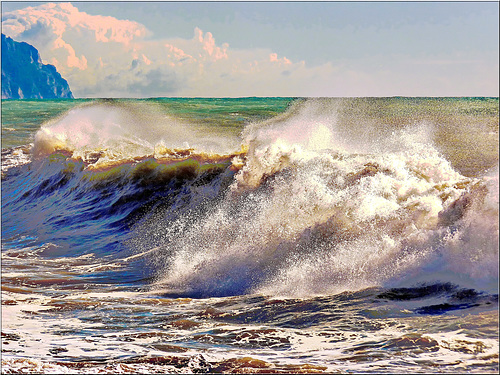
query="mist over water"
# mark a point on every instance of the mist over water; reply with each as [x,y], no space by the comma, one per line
[308,234]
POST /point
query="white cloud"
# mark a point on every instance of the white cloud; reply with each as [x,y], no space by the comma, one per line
[103,56]
[107,57]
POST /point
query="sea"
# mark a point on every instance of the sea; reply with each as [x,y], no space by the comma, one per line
[250,235]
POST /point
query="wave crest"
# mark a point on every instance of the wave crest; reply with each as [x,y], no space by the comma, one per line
[308,217]
[111,131]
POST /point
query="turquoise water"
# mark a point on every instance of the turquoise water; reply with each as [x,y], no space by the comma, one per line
[22,118]
[280,234]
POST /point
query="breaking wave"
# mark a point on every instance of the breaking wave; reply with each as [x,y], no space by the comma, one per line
[319,208]
[311,202]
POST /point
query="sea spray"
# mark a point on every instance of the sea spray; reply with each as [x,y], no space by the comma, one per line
[307,217]
[112,131]
[391,201]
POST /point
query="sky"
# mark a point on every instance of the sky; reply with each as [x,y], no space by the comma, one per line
[235,49]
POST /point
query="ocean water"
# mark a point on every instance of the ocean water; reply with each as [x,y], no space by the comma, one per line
[250,235]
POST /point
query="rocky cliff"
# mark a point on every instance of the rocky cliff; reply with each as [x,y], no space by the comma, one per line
[25,77]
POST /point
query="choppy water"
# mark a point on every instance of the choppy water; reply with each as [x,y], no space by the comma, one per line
[250,235]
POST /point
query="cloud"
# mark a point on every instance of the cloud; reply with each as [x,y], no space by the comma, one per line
[101,56]
[104,56]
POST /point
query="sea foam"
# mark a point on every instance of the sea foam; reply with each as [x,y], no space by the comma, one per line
[120,131]
[317,210]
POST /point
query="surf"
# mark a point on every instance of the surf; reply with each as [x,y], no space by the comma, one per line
[317,208]
[362,228]
[323,198]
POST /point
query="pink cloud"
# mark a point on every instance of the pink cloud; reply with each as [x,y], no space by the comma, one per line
[63,17]
[105,56]
[273,57]
[207,43]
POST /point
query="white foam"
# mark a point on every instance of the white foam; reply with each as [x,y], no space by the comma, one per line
[333,220]
[119,131]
